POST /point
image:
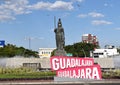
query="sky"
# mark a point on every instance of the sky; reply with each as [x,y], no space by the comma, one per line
[22,21]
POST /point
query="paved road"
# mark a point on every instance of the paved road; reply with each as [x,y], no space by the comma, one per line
[37,82]
[61,84]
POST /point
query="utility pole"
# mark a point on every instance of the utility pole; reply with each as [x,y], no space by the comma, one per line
[31,38]
[29,42]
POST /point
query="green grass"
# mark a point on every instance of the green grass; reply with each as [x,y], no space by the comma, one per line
[18,73]
[26,75]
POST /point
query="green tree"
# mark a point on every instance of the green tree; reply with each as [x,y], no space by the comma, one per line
[10,50]
[80,49]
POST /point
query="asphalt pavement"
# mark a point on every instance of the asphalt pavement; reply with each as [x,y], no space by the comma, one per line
[37,82]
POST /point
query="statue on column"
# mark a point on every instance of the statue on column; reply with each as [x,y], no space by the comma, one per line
[60,40]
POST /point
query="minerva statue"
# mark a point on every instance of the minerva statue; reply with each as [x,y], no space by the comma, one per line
[60,39]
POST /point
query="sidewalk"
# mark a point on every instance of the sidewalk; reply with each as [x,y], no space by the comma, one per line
[37,82]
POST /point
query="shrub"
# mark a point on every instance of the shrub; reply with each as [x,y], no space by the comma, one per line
[23,73]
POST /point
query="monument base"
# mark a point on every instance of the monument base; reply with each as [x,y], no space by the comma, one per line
[60,53]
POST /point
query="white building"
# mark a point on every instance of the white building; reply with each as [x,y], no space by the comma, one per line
[104,53]
[45,52]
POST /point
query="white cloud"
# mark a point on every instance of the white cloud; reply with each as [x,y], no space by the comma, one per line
[82,15]
[62,5]
[58,5]
[78,1]
[101,22]
[95,14]
[4,18]
[91,14]
[9,9]
[65,14]
[108,5]
[117,28]
[105,4]
[40,6]
[15,6]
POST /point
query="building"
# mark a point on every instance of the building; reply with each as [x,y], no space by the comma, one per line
[45,52]
[104,53]
[89,38]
